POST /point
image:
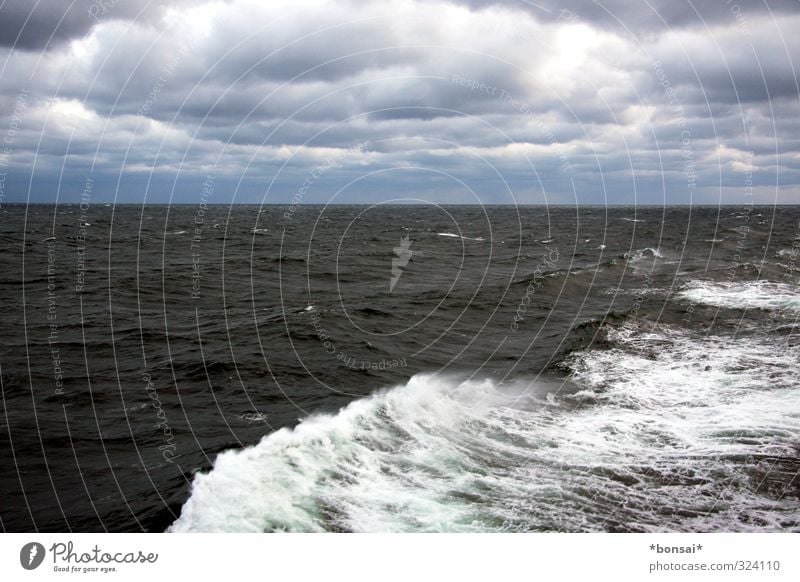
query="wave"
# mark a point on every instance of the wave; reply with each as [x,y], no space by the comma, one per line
[662,432]
[748,295]
[354,470]
[451,235]
[646,253]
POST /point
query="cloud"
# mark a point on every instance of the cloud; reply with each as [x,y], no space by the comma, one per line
[41,24]
[646,17]
[37,25]
[489,93]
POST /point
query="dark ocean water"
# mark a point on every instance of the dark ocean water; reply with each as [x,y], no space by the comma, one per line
[388,368]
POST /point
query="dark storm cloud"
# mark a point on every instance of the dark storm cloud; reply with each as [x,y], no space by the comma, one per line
[267,92]
[648,16]
[35,25]
[41,24]
[738,66]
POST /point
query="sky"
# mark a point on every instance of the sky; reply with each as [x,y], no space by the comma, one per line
[406,101]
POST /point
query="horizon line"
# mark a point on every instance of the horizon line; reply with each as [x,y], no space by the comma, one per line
[322,204]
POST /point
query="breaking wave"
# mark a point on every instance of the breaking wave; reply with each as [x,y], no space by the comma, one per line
[662,432]
[746,295]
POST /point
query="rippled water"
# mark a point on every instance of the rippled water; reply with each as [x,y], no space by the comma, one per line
[400,368]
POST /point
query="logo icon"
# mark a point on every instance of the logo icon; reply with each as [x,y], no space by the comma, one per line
[31,555]
[403,254]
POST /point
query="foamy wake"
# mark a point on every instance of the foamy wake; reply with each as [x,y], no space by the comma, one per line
[747,295]
[666,433]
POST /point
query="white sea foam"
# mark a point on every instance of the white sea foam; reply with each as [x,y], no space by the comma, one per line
[746,295]
[254,416]
[668,432]
[646,255]
[451,235]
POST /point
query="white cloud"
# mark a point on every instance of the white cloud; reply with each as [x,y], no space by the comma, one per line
[249,84]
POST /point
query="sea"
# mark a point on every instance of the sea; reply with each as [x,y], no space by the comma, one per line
[384,368]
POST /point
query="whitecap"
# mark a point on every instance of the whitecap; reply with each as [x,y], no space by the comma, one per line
[254,416]
[656,442]
[451,235]
[646,253]
[746,295]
